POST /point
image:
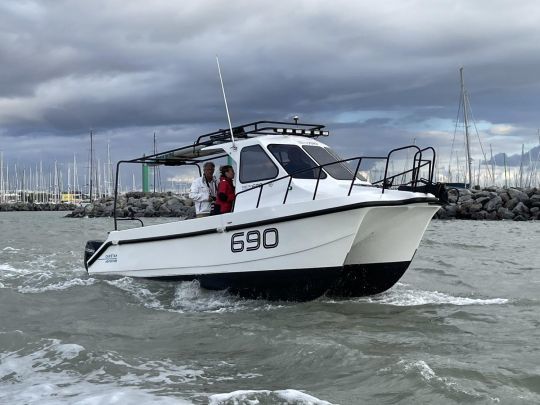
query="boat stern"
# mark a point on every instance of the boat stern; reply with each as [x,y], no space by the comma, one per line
[91,247]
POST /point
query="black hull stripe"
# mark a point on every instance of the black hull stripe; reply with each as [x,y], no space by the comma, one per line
[303,215]
[304,284]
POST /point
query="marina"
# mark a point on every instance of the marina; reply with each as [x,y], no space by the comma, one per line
[301,203]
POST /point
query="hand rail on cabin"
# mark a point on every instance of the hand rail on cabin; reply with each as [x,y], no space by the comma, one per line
[117,174]
[387,181]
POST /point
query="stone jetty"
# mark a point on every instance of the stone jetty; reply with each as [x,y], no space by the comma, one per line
[28,206]
[139,204]
[492,204]
[487,204]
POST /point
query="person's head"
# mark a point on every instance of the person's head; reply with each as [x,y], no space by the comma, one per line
[208,170]
[227,171]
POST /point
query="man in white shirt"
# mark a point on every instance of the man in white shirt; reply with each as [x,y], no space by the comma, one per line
[204,190]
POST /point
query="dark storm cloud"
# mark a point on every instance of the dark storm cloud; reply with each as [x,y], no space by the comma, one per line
[380,74]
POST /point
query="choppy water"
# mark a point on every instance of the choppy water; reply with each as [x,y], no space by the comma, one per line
[462,326]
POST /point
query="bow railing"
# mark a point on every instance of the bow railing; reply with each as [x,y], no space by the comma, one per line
[416,183]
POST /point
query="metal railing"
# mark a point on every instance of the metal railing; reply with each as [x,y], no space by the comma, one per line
[385,183]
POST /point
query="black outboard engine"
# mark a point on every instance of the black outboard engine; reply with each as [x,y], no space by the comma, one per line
[90,249]
[439,190]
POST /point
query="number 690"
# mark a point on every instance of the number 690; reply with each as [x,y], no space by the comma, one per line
[252,240]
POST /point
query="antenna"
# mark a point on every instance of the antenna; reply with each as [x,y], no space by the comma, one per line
[225,99]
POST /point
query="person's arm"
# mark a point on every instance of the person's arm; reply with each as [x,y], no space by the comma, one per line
[222,191]
[226,192]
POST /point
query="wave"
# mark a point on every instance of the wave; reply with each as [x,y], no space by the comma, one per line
[419,297]
[190,297]
[62,285]
[187,296]
[46,376]
[410,297]
[4,267]
[446,383]
[146,297]
[402,296]
[288,396]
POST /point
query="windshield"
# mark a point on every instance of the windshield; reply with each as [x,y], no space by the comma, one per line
[323,156]
[295,160]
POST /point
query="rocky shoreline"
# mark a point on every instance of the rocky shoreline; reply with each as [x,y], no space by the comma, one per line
[487,204]
[28,206]
[492,204]
[138,204]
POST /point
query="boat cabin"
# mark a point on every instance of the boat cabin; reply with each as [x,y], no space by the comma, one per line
[279,163]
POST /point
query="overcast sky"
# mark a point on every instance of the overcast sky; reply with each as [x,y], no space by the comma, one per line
[378,73]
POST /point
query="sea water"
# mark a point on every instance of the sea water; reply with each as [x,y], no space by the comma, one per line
[462,326]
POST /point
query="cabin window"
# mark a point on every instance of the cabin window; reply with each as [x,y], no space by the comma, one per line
[295,161]
[256,165]
[322,156]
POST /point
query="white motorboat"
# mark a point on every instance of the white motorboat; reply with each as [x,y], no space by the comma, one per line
[304,223]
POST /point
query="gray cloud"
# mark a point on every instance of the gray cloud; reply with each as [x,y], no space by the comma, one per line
[129,69]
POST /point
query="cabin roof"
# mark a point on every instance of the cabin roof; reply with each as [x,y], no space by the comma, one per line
[206,146]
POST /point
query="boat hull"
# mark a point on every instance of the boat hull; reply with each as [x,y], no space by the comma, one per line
[336,249]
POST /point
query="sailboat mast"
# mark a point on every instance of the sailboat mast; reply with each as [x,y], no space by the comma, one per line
[154,169]
[466,123]
[492,165]
[521,166]
[91,162]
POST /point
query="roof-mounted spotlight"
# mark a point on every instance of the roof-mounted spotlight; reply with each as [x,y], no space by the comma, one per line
[295,118]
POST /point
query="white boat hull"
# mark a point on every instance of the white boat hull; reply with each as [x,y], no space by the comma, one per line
[338,246]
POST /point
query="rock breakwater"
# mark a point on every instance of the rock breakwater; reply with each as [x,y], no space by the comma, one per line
[492,204]
[138,204]
[28,206]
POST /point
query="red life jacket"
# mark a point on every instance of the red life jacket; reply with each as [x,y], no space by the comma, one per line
[225,195]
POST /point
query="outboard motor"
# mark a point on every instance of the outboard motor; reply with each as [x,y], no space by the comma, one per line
[90,249]
[439,190]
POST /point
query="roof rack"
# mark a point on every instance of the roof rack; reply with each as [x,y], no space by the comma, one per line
[193,153]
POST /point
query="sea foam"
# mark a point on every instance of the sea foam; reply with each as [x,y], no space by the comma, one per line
[28,378]
[62,285]
[409,297]
[146,297]
[288,396]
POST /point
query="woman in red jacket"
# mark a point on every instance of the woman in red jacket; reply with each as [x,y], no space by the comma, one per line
[225,192]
